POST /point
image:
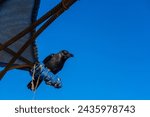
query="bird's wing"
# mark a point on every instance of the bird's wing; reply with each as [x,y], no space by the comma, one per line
[48,58]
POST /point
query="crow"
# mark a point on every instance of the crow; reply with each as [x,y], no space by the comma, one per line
[54,63]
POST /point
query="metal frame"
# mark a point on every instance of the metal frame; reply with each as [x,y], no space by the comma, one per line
[48,18]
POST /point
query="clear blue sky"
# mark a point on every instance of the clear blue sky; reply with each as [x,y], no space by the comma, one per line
[111,43]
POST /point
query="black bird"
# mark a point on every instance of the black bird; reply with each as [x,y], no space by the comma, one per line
[54,63]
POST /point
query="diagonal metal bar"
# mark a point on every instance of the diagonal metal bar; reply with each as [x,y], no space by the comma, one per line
[8,50]
[31,28]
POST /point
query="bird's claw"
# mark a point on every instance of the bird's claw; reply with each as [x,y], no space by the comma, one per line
[56,84]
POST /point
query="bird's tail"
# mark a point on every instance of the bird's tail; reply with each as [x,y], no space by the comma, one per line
[34,84]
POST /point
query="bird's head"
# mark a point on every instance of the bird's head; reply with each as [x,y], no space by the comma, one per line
[66,54]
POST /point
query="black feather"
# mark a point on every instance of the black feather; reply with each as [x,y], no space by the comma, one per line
[55,62]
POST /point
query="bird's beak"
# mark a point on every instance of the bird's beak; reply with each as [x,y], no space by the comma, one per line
[71,55]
